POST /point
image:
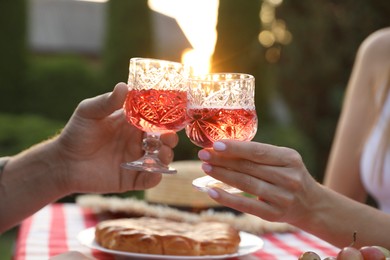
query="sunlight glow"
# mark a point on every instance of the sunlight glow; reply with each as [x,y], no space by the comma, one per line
[200,62]
[198,20]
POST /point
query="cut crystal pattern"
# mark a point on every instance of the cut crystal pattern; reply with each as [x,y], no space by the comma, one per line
[157,74]
[217,92]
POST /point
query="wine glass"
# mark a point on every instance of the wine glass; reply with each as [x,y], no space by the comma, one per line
[156,103]
[220,106]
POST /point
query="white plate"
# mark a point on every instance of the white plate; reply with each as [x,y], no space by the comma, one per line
[249,244]
[206,182]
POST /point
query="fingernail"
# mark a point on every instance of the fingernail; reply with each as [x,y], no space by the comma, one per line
[204,155]
[206,167]
[213,193]
[219,146]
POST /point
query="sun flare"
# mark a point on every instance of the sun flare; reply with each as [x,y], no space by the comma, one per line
[198,20]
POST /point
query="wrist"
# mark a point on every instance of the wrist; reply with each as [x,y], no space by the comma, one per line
[325,217]
[29,181]
[316,208]
[58,166]
[41,165]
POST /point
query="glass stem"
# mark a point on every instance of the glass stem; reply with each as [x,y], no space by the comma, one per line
[151,144]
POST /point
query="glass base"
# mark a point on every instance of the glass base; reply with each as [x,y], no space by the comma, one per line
[149,165]
[205,183]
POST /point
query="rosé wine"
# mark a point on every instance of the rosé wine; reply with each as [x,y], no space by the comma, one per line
[156,110]
[208,125]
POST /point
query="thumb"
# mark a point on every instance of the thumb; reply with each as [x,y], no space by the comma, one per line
[103,105]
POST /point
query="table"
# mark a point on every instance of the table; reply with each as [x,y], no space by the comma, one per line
[53,230]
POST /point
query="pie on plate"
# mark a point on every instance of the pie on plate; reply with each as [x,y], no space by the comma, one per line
[249,244]
[166,237]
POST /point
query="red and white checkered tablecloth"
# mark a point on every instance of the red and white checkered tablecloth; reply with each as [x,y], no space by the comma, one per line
[53,230]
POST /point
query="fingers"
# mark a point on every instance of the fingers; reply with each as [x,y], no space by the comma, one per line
[257,152]
[246,204]
[148,180]
[170,139]
[267,162]
[166,154]
[269,172]
[252,184]
[139,180]
[103,105]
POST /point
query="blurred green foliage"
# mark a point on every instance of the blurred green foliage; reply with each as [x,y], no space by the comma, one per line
[13,50]
[20,132]
[129,34]
[55,85]
[289,136]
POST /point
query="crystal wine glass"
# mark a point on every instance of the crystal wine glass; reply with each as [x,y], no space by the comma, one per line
[156,103]
[220,106]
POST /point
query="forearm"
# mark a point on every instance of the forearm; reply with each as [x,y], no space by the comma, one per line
[29,181]
[335,219]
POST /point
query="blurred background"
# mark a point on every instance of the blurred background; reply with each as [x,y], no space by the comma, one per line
[54,53]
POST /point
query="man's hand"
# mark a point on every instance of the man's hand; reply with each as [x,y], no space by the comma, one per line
[97,139]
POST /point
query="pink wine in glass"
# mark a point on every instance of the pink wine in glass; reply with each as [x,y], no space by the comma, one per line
[156,103]
[211,124]
[220,106]
[156,110]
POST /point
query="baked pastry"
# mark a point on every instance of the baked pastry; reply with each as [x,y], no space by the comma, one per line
[165,237]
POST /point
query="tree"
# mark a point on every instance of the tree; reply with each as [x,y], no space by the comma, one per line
[128,35]
[237,48]
[237,45]
[12,53]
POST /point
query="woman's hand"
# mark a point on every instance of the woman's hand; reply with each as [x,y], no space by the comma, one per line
[97,139]
[282,187]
